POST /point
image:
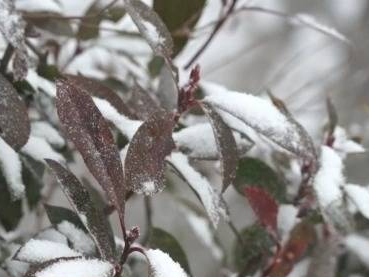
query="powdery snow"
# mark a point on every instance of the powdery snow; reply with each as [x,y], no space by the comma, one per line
[329,179]
[152,33]
[360,197]
[358,245]
[52,235]
[286,219]
[11,168]
[125,125]
[37,251]
[209,198]
[343,145]
[39,149]
[162,265]
[80,240]
[148,188]
[78,268]
[43,129]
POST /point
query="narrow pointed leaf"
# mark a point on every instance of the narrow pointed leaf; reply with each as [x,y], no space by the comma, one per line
[160,239]
[226,145]
[57,215]
[264,206]
[151,27]
[93,219]
[14,122]
[87,129]
[144,162]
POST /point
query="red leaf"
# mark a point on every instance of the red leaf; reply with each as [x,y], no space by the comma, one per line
[84,125]
[144,163]
[264,206]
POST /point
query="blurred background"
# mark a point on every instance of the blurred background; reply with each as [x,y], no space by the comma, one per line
[254,50]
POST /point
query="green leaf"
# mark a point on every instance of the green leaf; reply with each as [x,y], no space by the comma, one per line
[48,71]
[256,243]
[58,214]
[32,172]
[167,243]
[10,211]
[253,172]
[179,15]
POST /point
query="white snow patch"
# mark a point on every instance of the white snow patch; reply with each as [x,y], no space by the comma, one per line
[39,149]
[287,219]
[81,241]
[15,268]
[358,245]
[78,268]
[44,130]
[329,179]
[343,145]
[208,196]
[162,264]
[12,170]
[37,251]
[148,187]
[152,33]
[360,197]
[52,235]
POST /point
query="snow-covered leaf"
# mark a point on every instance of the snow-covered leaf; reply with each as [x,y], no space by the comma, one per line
[198,142]
[38,251]
[179,17]
[14,122]
[359,245]
[53,235]
[45,130]
[262,116]
[144,162]
[151,27]
[93,219]
[264,206]
[39,149]
[76,267]
[226,146]
[343,144]
[87,129]
[57,215]
[162,265]
[359,196]
[11,168]
[200,185]
[97,89]
[12,26]
[160,239]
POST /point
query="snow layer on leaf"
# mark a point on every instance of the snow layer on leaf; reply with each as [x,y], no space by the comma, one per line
[78,268]
[203,231]
[329,178]
[38,251]
[15,268]
[39,149]
[358,245]
[11,168]
[199,141]
[360,197]
[286,219]
[259,114]
[81,241]
[208,196]
[52,235]
[125,125]
[43,129]
[162,265]
[343,145]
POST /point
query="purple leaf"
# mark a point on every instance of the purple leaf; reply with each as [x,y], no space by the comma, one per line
[14,122]
[87,129]
[144,163]
[226,145]
[92,218]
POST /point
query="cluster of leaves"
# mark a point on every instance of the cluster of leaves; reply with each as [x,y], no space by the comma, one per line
[138,142]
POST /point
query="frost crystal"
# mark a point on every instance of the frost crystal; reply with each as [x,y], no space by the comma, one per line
[162,264]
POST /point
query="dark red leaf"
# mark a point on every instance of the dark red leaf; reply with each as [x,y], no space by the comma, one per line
[226,145]
[95,88]
[144,163]
[264,206]
[92,218]
[87,129]
[14,122]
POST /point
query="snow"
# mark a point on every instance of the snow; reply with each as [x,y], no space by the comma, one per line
[125,125]
[152,33]
[148,188]
[81,241]
[15,268]
[300,269]
[329,178]
[38,251]
[259,114]
[37,5]
[286,219]
[162,264]
[11,167]
[209,198]
[38,82]
[78,268]
[203,231]
[358,245]
[43,129]
[343,145]
[39,149]
[360,197]
[52,235]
